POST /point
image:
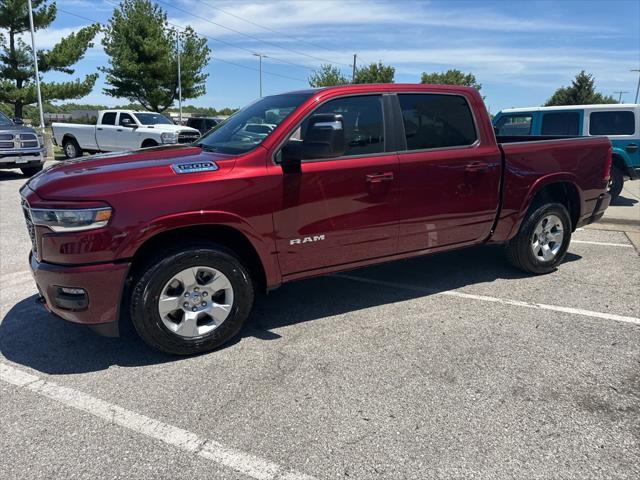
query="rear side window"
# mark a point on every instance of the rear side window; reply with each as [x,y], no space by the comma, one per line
[611,123]
[363,123]
[514,125]
[561,123]
[436,121]
[109,118]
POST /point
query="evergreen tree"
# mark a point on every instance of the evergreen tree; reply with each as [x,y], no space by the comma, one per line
[17,75]
[581,92]
[143,64]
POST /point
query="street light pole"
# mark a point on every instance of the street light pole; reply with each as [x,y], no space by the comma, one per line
[179,78]
[638,87]
[35,64]
[620,92]
[260,56]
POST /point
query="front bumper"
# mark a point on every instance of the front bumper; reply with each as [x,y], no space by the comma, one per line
[20,158]
[103,284]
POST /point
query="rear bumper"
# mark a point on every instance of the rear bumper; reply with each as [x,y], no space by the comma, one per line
[102,284]
[598,211]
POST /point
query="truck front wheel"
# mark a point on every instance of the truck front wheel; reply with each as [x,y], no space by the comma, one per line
[192,300]
[543,239]
[71,148]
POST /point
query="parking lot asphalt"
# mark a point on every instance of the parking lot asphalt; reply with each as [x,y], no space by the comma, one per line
[449,366]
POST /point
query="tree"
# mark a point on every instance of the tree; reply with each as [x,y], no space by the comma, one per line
[327,76]
[451,77]
[375,73]
[17,75]
[581,92]
[143,57]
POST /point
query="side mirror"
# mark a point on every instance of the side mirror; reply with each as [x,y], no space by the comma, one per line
[291,156]
[324,137]
[18,121]
[128,123]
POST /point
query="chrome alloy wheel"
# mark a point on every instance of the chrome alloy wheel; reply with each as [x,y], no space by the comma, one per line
[70,150]
[195,301]
[547,238]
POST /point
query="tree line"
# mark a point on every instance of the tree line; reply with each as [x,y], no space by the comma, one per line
[142,51]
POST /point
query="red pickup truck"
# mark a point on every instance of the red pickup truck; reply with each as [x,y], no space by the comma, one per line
[295,185]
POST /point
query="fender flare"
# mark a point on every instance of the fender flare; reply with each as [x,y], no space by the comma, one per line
[165,224]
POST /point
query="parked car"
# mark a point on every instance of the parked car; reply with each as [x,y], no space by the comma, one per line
[20,147]
[182,236]
[202,124]
[620,122]
[118,130]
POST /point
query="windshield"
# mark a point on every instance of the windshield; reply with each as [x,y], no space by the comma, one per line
[247,128]
[4,120]
[152,119]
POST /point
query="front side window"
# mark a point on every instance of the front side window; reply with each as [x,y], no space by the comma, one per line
[109,118]
[152,119]
[436,121]
[247,128]
[561,123]
[122,121]
[362,121]
[4,120]
[514,125]
[612,123]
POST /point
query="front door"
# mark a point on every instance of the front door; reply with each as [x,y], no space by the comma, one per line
[342,210]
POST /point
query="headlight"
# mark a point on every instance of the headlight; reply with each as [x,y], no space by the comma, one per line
[169,137]
[63,220]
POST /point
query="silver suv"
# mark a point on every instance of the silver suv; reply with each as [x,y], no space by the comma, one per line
[20,147]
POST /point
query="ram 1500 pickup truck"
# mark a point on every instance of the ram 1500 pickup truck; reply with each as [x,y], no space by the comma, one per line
[180,237]
[20,147]
[118,130]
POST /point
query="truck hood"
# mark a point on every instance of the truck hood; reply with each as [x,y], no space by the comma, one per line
[161,127]
[100,176]
[14,128]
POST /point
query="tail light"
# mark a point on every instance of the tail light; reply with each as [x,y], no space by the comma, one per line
[607,165]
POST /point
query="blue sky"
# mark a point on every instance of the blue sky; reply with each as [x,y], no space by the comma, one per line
[520,51]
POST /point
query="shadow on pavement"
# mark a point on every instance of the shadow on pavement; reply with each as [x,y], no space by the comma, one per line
[32,337]
[14,174]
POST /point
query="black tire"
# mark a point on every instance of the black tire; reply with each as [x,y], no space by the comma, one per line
[616,182]
[519,250]
[71,148]
[32,170]
[149,143]
[148,285]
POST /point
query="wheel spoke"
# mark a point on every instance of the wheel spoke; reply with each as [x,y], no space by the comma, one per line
[219,312]
[555,236]
[547,254]
[220,282]
[187,277]
[168,304]
[188,327]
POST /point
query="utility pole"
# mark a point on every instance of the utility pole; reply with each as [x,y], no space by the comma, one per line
[179,78]
[620,92]
[260,56]
[353,72]
[35,64]
[638,87]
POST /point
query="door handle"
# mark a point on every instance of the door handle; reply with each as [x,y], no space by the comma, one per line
[631,147]
[99,128]
[119,130]
[477,167]
[379,177]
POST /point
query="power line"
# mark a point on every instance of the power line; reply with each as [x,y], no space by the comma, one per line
[277,32]
[246,67]
[251,37]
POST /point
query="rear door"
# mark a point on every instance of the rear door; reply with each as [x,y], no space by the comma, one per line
[341,210]
[622,126]
[449,179]
[106,132]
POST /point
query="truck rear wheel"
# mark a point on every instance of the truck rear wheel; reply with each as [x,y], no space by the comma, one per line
[71,148]
[192,300]
[543,239]
[616,182]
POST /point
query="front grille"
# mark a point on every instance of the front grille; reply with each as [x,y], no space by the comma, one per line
[30,227]
[9,141]
[188,137]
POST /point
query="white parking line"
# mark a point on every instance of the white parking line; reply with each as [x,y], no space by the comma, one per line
[503,301]
[245,463]
[606,244]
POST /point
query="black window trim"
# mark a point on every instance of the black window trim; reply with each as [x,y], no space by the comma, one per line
[386,151]
[400,124]
[631,110]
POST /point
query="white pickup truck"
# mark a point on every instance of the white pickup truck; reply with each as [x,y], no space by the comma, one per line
[120,130]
